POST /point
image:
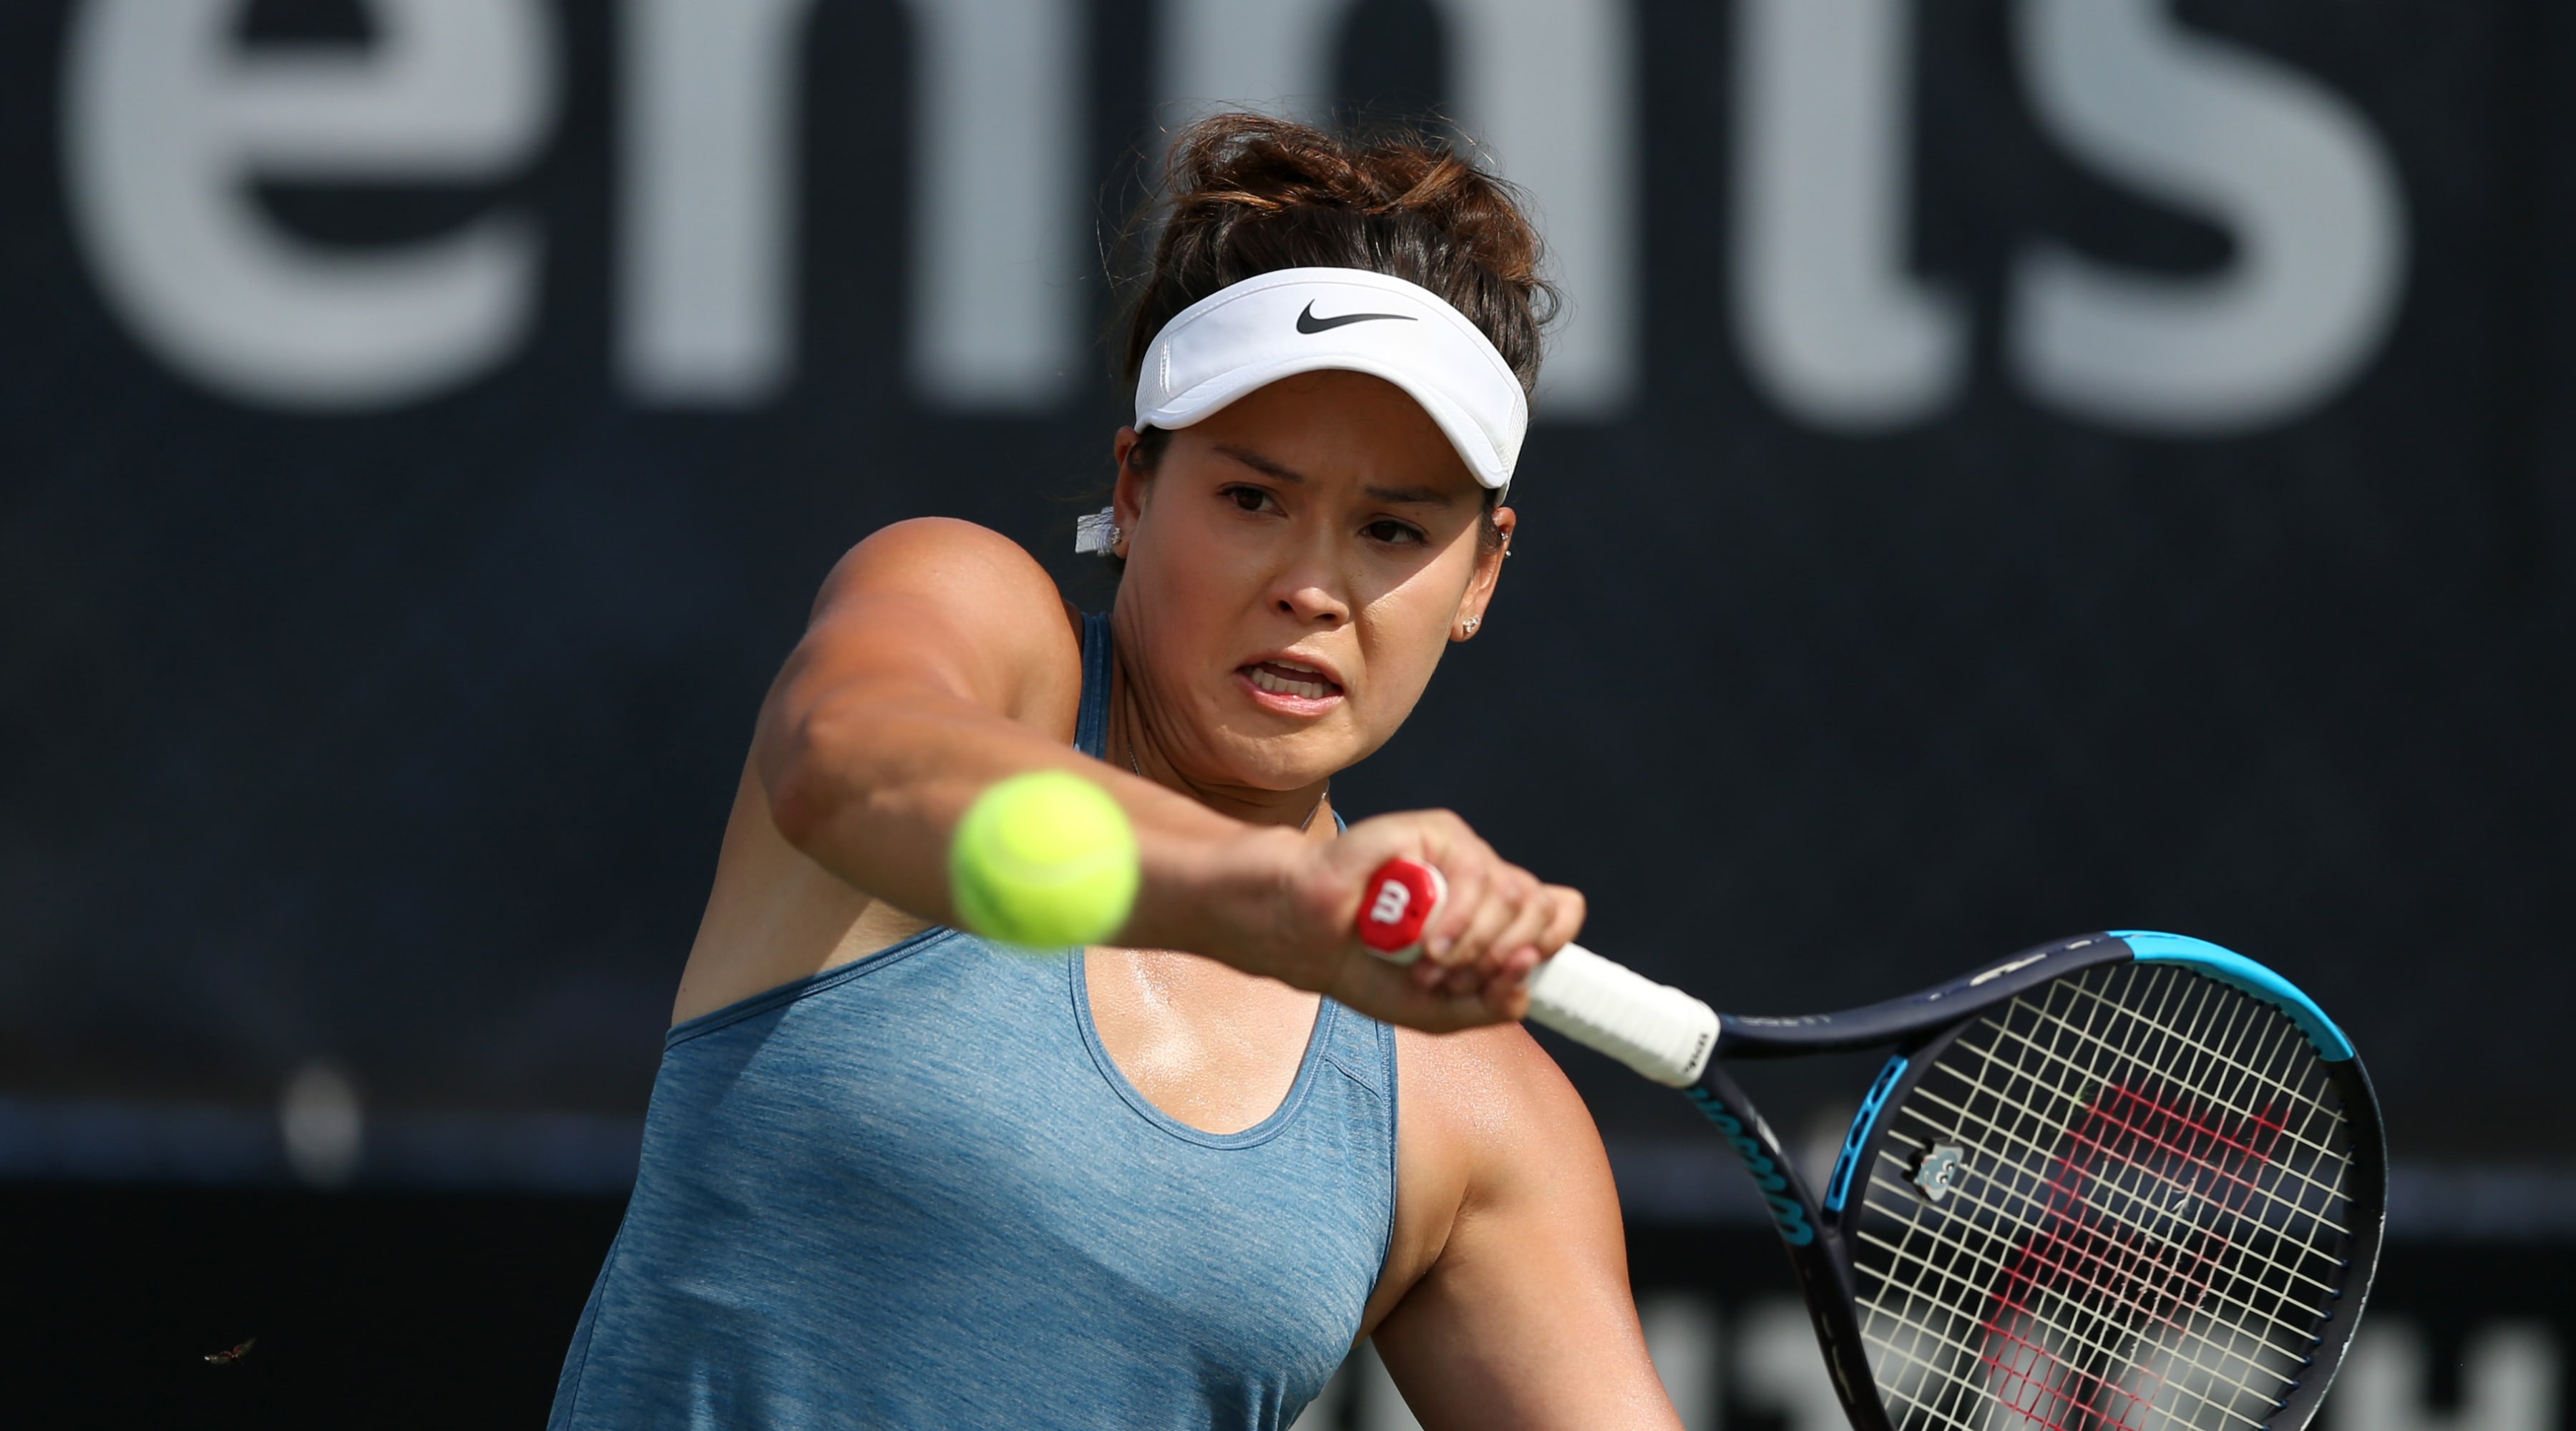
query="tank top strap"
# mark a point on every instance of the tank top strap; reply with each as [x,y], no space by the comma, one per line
[1361,1047]
[1091,725]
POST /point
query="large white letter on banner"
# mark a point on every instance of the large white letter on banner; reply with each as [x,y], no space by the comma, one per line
[1548,85]
[2289,168]
[714,104]
[1832,327]
[2511,1376]
[999,242]
[1551,85]
[1272,56]
[706,274]
[166,121]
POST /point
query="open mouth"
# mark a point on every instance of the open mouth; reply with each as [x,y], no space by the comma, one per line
[1292,679]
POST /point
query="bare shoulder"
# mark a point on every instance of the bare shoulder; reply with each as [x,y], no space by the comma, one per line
[1511,1305]
[1486,1119]
[1492,1098]
[947,560]
[938,594]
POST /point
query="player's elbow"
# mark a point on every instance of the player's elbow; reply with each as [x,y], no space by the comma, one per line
[804,772]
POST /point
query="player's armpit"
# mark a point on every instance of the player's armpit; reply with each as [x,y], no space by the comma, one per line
[1524,1316]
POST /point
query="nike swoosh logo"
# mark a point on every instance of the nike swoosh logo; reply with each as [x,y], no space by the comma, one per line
[1307,322]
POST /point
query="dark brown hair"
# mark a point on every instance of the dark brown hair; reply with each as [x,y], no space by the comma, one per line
[1243,195]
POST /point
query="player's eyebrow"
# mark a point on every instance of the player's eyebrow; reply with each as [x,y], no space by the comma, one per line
[1263,465]
[1411,496]
[1394,496]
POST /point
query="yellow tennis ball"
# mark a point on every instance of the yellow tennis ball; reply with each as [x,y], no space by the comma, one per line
[1046,860]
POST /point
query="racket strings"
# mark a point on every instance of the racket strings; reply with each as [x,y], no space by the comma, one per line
[1954,1331]
[2307,1188]
[2096,1285]
[2126,1128]
[2162,1195]
[2121,1272]
[1933,1383]
[2016,1341]
[2028,1149]
[1927,1377]
[2010,1358]
[2268,1083]
[1988,1270]
[2147,1225]
[2307,1196]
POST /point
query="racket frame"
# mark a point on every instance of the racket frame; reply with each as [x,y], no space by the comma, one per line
[1918,1028]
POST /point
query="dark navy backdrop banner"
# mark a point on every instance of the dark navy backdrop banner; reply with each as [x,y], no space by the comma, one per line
[2009,470]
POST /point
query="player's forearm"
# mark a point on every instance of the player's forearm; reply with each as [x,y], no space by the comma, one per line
[871,785]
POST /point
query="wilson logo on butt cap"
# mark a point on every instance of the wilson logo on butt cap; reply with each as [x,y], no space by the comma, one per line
[1398,906]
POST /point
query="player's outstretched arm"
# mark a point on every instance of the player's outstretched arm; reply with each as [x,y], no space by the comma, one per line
[940,659]
[1522,1315]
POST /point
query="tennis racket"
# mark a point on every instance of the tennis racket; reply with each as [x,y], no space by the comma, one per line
[2122,1182]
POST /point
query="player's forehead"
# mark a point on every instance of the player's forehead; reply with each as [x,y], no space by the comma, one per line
[1342,432]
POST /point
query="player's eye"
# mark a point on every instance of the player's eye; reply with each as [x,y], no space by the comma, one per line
[1393,532]
[1249,499]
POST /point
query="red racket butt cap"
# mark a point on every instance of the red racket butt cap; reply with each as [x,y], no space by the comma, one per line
[1398,905]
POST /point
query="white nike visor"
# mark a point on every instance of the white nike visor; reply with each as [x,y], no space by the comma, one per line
[1303,320]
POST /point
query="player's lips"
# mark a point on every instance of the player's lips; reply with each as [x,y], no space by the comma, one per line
[1292,685]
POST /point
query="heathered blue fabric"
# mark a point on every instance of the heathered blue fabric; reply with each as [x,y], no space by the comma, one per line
[915,1191]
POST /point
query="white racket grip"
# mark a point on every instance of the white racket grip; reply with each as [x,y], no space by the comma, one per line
[1653,1028]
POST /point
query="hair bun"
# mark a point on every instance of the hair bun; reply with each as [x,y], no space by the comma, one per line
[1243,194]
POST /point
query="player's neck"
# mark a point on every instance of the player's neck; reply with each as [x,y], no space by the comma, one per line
[1136,745]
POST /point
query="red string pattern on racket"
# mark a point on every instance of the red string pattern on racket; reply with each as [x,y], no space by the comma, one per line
[2141,1223]
[2105,1273]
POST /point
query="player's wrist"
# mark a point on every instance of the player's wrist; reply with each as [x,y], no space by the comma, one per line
[1227,897]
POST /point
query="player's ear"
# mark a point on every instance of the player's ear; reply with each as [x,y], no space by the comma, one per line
[1491,549]
[1129,498]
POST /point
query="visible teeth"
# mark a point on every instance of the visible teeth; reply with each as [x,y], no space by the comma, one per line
[1283,686]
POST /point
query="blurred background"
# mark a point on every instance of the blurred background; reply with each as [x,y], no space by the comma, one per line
[2008,469]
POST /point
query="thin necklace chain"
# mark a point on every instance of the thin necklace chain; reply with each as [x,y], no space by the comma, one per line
[1320,795]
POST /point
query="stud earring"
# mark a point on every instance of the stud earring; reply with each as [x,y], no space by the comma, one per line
[1471,623]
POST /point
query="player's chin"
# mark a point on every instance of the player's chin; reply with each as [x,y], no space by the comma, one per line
[1294,757]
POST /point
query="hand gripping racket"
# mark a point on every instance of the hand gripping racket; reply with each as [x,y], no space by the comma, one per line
[2122,1182]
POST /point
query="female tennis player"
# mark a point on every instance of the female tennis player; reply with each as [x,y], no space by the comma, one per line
[897,1176]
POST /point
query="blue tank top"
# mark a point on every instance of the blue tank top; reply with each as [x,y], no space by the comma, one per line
[914,1191]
